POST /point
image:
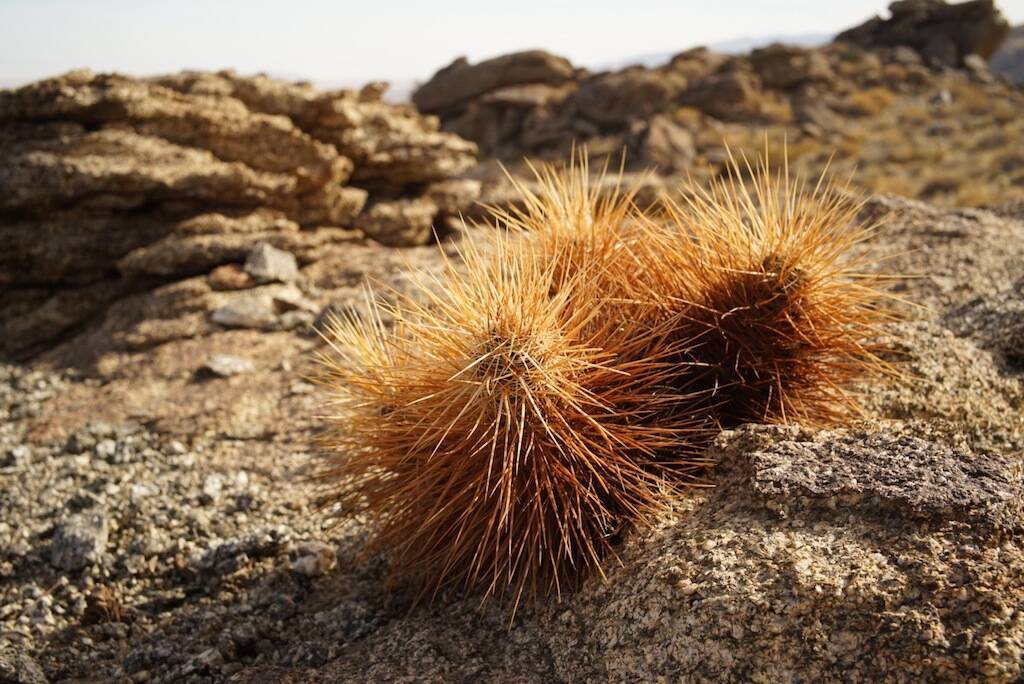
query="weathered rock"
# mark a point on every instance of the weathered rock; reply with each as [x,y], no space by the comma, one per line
[80,541]
[267,264]
[940,31]
[665,145]
[220,124]
[453,196]
[42,175]
[996,322]
[18,667]
[248,310]
[808,544]
[888,550]
[731,95]
[619,97]
[130,180]
[72,247]
[314,559]
[786,66]
[259,93]
[390,143]
[696,63]
[978,68]
[226,365]
[461,81]
[400,223]
[34,317]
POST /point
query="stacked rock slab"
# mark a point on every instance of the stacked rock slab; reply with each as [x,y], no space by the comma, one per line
[109,184]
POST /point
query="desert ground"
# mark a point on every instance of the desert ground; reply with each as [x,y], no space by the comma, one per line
[173,247]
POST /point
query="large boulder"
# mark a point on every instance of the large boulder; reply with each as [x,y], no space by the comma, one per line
[943,32]
[788,66]
[665,145]
[731,95]
[619,97]
[460,81]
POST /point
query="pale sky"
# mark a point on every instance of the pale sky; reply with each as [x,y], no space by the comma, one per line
[335,42]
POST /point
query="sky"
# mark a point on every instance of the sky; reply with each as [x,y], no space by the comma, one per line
[340,42]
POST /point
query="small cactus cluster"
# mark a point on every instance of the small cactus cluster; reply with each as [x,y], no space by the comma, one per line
[557,384]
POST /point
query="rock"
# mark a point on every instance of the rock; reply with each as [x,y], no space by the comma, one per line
[80,246]
[827,534]
[666,146]
[390,143]
[222,125]
[18,667]
[696,63]
[267,264]
[210,659]
[213,485]
[42,175]
[734,95]
[249,310]
[887,550]
[1008,60]
[996,323]
[786,66]
[296,320]
[314,559]
[944,32]
[291,299]
[399,223]
[229,277]
[226,556]
[184,254]
[453,196]
[79,541]
[226,365]
[619,97]
[978,68]
[461,81]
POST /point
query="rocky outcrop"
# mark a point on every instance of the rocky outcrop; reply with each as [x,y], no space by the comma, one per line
[109,183]
[810,542]
[1008,60]
[461,81]
[945,33]
[537,105]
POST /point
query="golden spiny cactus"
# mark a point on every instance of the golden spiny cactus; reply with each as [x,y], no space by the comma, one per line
[555,386]
[496,446]
[766,277]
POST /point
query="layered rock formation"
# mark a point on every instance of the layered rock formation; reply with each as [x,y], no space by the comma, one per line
[110,183]
[885,76]
[945,33]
